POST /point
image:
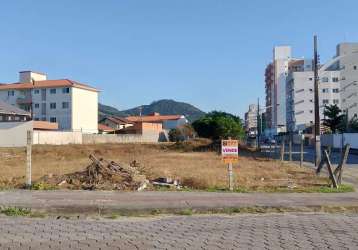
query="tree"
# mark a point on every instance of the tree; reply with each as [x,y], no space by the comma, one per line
[334,118]
[353,125]
[181,133]
[219,125]
[175,135]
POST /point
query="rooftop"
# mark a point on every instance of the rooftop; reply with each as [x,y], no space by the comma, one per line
[118,120]
[46,84]
[156,117]
[11,110]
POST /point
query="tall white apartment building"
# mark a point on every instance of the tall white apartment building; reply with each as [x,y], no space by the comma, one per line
[73,105]
[300,96]
[338,84]
[281,59]
[276,76]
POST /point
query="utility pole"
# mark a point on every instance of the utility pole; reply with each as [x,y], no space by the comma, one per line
[258,123]
[317,129]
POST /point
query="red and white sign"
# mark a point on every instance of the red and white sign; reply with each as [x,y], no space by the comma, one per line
[230,151]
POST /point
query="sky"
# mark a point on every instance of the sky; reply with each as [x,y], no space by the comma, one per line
[210,53]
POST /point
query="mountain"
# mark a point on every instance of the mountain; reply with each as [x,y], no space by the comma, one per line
[164,107]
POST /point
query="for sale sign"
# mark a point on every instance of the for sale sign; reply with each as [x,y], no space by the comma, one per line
[230,151]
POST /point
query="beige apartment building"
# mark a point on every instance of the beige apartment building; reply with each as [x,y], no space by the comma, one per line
[70,104]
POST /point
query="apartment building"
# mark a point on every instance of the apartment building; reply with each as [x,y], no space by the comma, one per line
[338,84]
[300,96]
[251,118]
[276,76]
[73,105]
[346,60]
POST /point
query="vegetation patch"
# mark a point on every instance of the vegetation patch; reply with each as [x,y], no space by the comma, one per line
[15,211]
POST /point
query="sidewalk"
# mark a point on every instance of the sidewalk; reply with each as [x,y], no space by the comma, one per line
[108,201]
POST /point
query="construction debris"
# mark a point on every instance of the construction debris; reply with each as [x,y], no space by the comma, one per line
[166,182]
[103,175]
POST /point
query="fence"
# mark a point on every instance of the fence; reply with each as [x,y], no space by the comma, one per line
[13,134]
[57,138]
[296,148]
[339,140]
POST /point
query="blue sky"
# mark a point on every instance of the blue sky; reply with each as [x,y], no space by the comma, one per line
[211,53]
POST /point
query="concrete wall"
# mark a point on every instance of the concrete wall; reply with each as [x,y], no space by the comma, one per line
[57,137]
[336,140]
[14,134]
[123,138]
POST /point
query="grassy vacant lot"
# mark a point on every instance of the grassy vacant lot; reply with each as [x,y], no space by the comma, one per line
[199,170]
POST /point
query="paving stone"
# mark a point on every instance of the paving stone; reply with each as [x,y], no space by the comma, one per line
[270,231]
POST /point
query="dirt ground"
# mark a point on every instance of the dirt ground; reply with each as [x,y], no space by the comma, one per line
[201,170]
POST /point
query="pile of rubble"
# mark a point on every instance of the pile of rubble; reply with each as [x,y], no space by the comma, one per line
[103,175]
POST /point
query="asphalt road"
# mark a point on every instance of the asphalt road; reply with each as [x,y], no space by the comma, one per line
[269,231]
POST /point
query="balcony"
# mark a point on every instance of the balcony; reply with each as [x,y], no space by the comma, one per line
[24,100]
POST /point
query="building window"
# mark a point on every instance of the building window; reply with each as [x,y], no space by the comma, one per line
[65,105]
[335,90]
[325,79]
[52,91]
[311,90]
[325,101]
[355,67]
[36,119]
[11,93]
[37,105]
[36,91]
[343,78]
[311,100]
[52,105]
[335,101]
[66,90]
[311,111]
[335,79]
[310,78]
[52,119]
[325,90]
[43,118]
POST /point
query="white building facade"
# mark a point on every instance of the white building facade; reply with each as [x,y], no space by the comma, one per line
[300,97]
[74,106]
[347,61]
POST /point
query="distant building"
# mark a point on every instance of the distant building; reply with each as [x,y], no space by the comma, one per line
[116,123]
[104,129]
[73,105]
[10,113]
[251,118]
[168,121]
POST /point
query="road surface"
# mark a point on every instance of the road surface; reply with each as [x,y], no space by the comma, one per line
[269,231]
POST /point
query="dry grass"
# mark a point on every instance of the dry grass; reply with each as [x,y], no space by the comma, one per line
[199,170]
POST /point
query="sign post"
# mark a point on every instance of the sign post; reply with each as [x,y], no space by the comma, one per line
[229,153]
[28,158]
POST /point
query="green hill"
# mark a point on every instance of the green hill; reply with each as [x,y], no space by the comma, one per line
[164,107]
